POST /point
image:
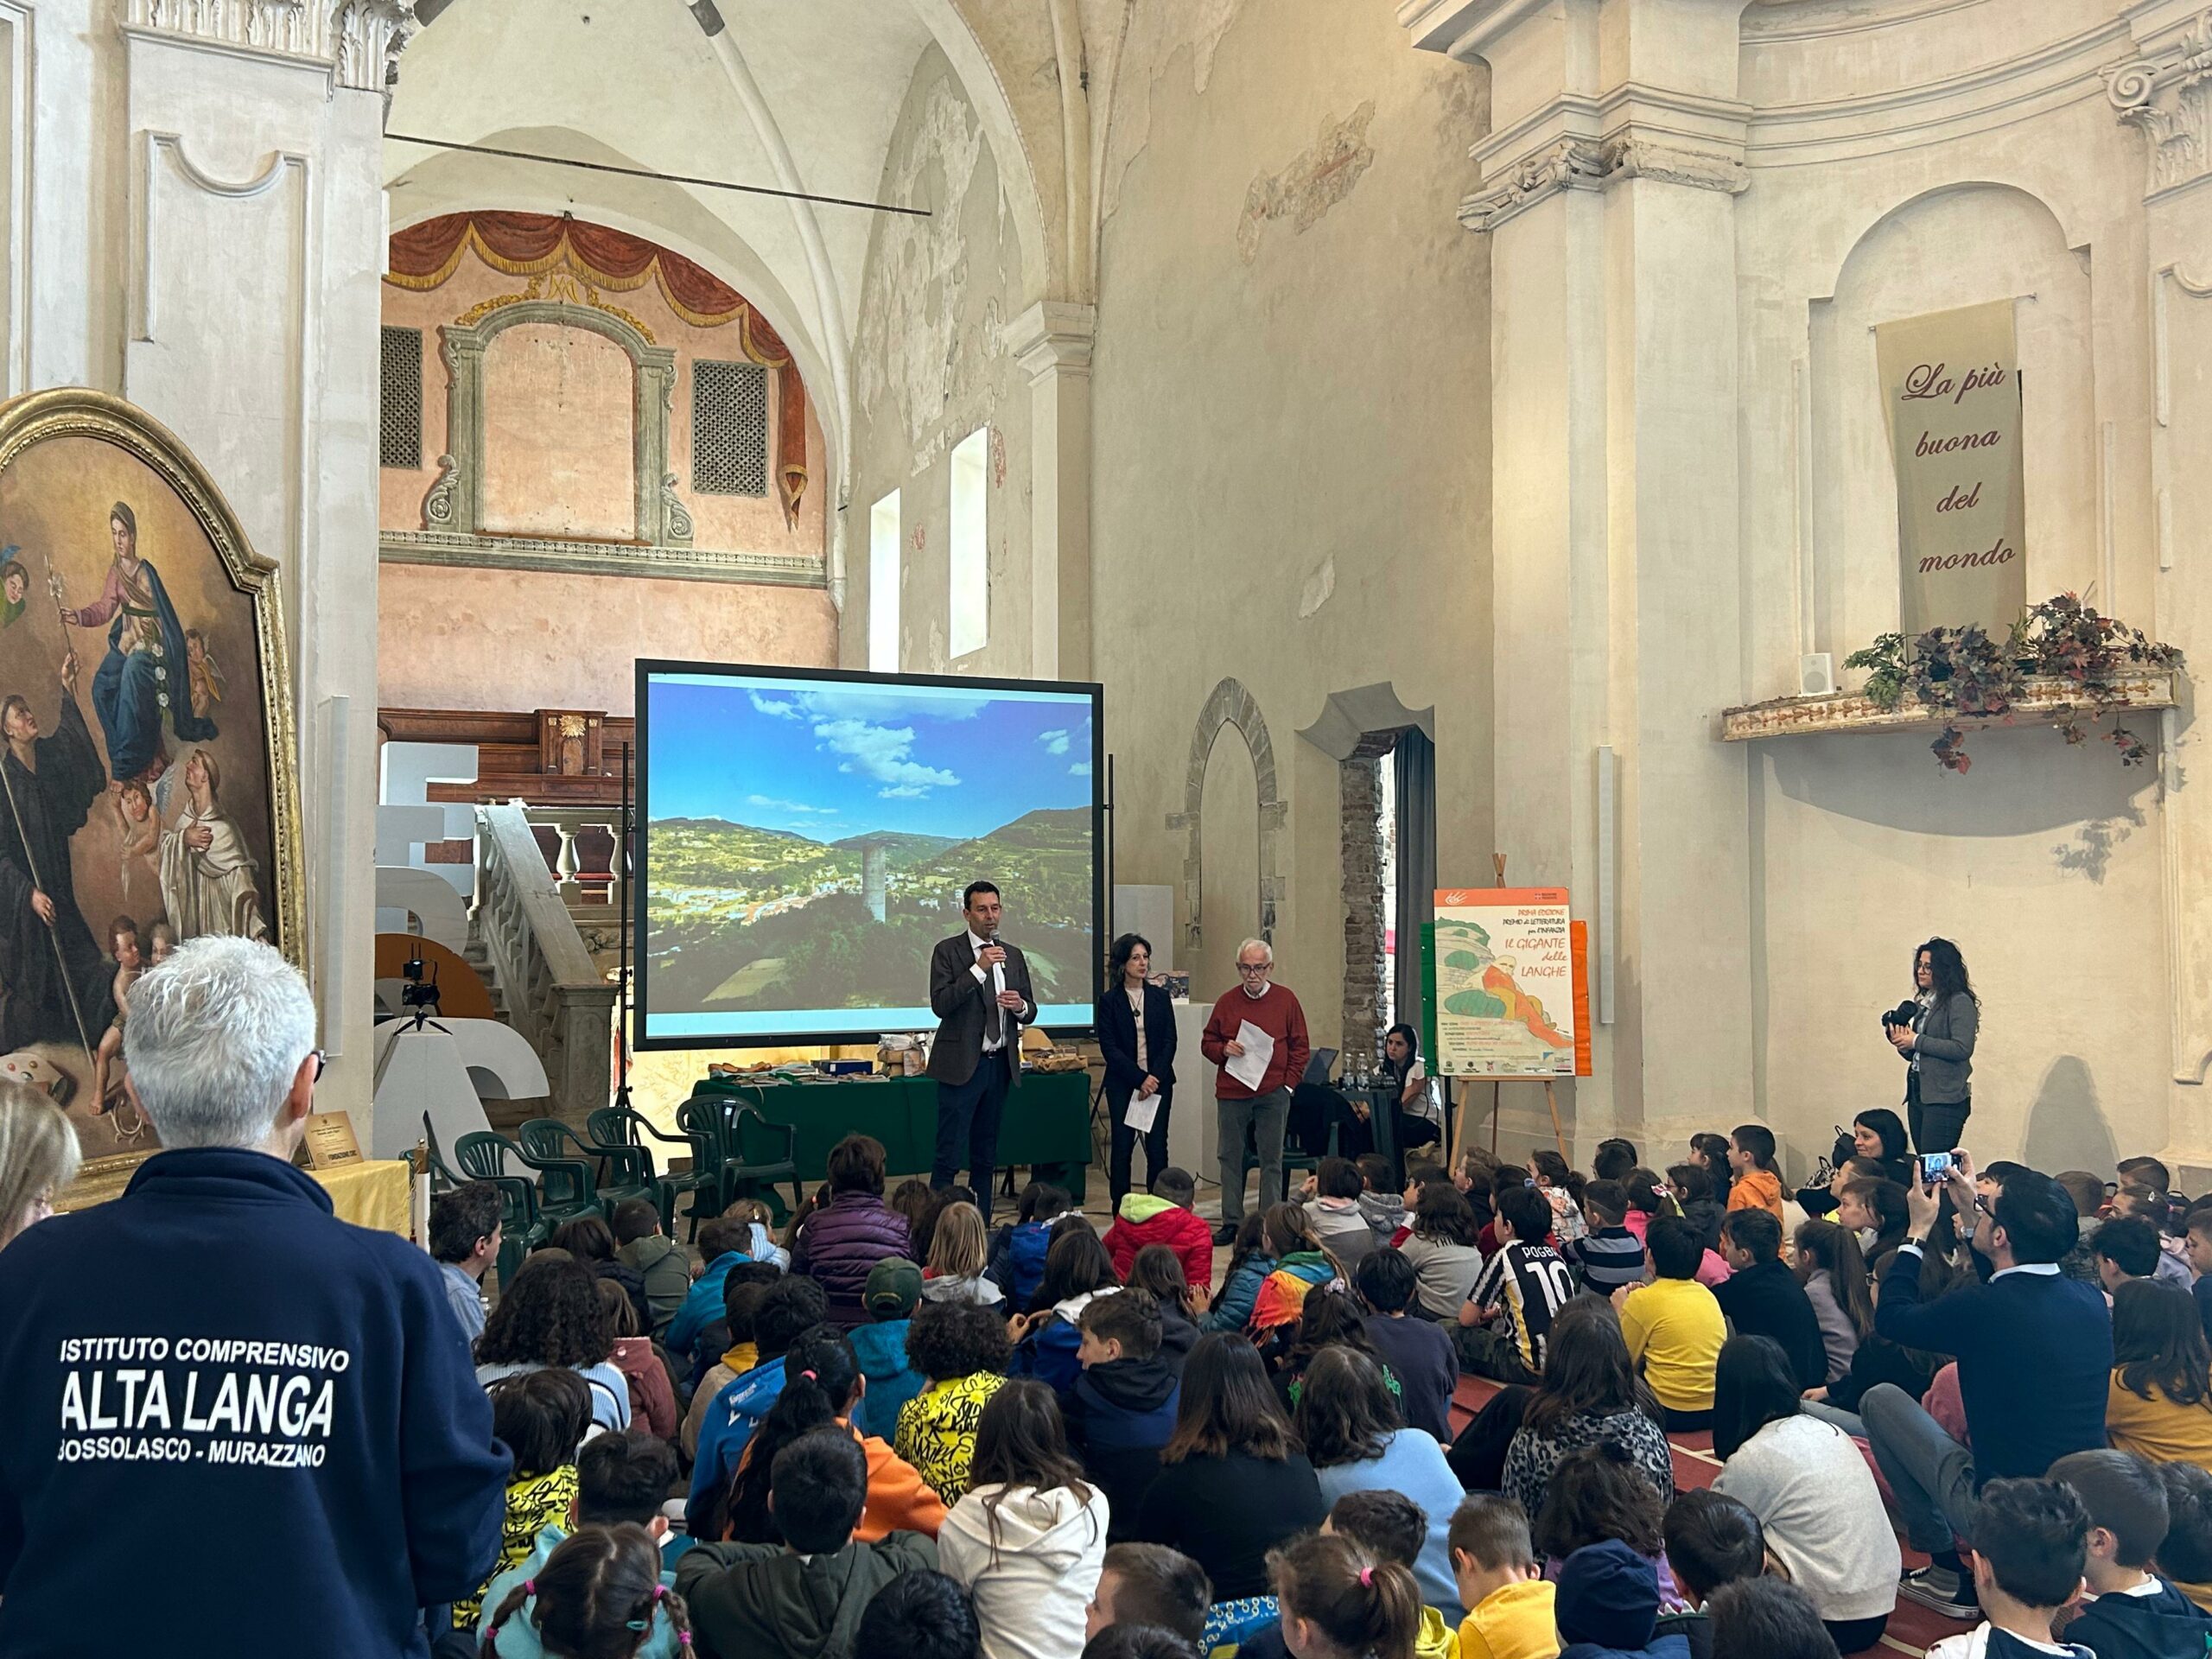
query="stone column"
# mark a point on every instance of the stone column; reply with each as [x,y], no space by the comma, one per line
[2165,91]
[253,134]
[1052,341]
[1608,179]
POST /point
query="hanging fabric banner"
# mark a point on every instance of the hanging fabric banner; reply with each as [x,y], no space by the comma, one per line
[1951,385]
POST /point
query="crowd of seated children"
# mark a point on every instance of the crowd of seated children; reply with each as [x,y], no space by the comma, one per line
[868,1434]
[791,1306]
[823,1386]
[1356,1441]
[621,1480]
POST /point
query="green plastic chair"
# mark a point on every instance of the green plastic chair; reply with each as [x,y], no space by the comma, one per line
[704,1120]
[757,1153]
[546,1148]
[524,1226]
[613,1129]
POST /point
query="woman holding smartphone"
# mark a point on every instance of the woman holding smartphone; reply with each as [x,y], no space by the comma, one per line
[1938,1046]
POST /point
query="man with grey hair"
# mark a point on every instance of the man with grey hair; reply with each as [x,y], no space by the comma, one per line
[1250,1096]
[288,1397]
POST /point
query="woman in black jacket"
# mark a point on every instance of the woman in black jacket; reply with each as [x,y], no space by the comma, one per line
[1136,1032]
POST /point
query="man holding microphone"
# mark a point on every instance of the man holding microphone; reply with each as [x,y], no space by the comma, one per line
[979,990]
[1247,1093]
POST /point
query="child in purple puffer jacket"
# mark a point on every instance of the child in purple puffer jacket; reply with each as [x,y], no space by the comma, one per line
[840,1243]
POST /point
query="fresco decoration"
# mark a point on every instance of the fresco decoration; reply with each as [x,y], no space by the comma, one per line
[148,792]
[425,257]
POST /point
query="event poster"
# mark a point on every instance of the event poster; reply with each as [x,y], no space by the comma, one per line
[1951,385]
[1505,1004]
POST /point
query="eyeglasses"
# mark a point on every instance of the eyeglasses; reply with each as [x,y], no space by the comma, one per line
[316,1055]
[1250,968]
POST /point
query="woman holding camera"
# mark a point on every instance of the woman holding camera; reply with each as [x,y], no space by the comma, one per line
[1934,1035]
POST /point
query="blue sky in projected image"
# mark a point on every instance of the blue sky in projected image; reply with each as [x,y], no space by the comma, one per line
[826,761]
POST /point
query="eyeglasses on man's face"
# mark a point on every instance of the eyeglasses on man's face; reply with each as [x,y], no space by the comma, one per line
[1252,968]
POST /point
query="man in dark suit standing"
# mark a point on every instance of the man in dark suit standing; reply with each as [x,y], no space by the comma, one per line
[979,990]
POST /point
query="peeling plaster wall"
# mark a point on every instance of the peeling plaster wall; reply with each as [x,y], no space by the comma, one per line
[1291,473]
[928,368]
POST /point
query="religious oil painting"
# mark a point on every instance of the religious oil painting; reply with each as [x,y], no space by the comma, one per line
[147,789]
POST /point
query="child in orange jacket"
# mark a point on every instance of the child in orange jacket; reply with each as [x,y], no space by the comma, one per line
[1751,1155]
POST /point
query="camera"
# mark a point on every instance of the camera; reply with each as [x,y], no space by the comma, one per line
[1935,1166]
[418,992]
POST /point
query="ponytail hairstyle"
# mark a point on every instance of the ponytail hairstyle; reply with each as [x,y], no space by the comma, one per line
[1555,1171]
[1287,1228]
[1647,1192]
[1823,1246]
[597,1595]
[1360,1605]
[821,1381]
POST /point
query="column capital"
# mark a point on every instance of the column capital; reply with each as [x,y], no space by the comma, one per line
[1053,337]
[356,42]
[2162,91]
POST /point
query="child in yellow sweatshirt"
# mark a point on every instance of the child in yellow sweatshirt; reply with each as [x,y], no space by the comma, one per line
[1751,1155]
[1508,1605]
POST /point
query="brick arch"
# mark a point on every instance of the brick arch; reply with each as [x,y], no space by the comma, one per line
[1230,704]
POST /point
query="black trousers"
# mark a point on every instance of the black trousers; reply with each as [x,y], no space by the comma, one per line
[1936,1126]
[1122,1144]
[1857,1635]
[968,1119]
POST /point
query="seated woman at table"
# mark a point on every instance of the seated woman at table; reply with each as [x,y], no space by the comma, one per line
[1416,1118]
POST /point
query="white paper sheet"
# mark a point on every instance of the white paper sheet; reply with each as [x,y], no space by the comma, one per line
[1251,1066]
[1143,1109]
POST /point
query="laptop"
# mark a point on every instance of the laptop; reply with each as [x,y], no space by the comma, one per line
[1318,1065]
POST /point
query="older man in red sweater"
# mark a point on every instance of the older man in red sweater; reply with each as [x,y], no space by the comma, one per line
[1261,1103]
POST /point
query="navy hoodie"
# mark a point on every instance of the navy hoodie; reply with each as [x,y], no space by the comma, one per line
[279,1408]
[1119,1414]
[2166,1625]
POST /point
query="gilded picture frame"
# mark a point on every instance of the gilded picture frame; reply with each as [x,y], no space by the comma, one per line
[84,477]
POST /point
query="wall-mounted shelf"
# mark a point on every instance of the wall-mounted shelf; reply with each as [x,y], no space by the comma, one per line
[2046,701]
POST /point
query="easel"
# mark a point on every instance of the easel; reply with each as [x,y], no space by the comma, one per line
[1497,1084]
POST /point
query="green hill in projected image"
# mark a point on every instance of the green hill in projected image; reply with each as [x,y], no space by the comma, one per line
[744,919]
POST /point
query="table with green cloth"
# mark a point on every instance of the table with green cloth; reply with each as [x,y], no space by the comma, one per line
[1047,1121]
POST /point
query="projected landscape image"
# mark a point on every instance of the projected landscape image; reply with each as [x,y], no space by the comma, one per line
[807,841]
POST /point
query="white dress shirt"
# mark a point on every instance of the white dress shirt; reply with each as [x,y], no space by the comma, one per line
[997,981]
